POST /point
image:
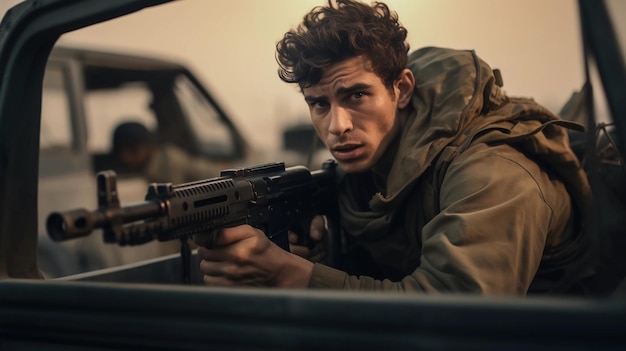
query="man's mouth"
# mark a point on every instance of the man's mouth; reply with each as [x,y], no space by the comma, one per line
[347,152]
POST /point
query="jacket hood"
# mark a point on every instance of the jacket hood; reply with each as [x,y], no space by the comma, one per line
[456,96]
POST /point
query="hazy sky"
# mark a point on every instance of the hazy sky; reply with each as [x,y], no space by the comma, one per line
[230,45]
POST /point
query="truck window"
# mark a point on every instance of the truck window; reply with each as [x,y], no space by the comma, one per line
[56,131]
[213,135]
[106,108]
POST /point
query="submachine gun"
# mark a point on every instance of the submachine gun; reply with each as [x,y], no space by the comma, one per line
[270,197]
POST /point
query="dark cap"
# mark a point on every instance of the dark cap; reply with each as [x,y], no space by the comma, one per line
[130,133]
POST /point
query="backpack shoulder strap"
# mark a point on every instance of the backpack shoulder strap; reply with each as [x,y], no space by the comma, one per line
[441,164]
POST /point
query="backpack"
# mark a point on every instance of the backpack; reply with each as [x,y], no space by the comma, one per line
[605,168]
[601,269]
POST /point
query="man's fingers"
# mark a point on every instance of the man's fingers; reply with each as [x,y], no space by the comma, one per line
[243,256]
[209,268]
[228,236]
[317,257]
[293,237]
[203,252]
[318,228]
[299,250]
[217,281]
[213,255]
[228,274]
[317,232]
[316,254]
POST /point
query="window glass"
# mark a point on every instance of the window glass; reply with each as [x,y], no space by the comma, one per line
[211,132]
[56,131]
[105,109]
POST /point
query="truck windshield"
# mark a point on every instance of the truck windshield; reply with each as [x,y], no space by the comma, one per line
[213,135]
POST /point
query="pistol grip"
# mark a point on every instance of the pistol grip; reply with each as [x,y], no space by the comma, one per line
[282,240]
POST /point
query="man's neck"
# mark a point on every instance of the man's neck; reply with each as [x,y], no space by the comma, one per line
[381,169]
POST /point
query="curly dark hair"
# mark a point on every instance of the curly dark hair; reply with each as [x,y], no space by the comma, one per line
[333,33]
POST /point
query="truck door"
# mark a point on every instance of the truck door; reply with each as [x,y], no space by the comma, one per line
[65,176]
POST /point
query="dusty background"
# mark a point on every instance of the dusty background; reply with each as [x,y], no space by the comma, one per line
[230,46]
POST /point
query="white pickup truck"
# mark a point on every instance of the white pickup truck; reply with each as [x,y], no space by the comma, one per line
[86,94]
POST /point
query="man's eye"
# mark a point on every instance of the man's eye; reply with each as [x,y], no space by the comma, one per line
[358,95]
[320,104]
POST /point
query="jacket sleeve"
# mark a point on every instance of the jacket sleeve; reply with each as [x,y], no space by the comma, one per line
[498,211]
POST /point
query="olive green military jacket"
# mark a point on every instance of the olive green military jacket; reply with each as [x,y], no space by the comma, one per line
[497,221]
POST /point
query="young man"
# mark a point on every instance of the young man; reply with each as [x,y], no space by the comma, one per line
[498,218]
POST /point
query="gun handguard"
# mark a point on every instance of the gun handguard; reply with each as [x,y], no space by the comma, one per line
[268,196]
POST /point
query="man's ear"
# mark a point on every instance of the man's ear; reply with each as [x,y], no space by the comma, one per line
[404,86]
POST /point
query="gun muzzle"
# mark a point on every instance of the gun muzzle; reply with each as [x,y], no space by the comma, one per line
[71,224]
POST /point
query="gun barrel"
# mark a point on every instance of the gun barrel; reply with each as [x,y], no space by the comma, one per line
[266,196]
[81,222]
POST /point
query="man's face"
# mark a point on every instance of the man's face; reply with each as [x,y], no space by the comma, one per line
[354,113]
[135,156]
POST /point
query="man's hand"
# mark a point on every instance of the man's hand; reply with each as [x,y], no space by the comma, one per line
[317,232]
[244,256]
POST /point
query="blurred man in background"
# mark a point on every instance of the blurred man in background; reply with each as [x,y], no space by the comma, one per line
[139,152]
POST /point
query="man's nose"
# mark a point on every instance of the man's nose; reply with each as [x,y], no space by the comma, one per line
[340,121]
